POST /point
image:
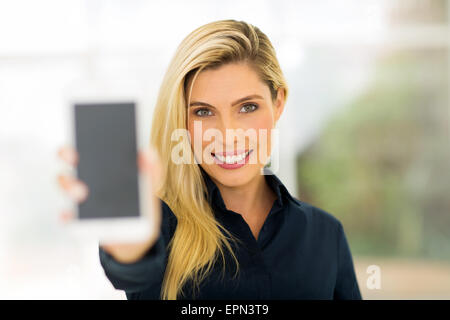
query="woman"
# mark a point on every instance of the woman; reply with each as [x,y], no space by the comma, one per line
[227,230]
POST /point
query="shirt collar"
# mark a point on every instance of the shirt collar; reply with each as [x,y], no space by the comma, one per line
[215,198]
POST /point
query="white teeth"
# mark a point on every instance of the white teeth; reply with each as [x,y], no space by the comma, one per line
[232,159]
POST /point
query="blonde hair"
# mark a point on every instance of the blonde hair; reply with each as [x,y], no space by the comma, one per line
[198,239]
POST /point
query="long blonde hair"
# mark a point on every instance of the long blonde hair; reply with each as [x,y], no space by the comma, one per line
[198,239]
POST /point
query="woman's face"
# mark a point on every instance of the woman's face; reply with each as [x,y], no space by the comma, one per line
[231,112]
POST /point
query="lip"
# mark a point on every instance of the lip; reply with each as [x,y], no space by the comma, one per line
[231,153]
[236,165]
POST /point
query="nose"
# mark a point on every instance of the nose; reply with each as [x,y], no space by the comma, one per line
[232,133]
[228,122]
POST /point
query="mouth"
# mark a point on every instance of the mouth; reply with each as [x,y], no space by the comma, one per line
[231,161]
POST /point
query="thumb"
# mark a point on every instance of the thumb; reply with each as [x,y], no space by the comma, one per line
[150,164]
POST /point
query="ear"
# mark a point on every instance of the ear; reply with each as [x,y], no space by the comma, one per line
[279,104]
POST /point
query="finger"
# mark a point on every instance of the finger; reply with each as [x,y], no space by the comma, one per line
[68,154]
[75,188]
[146,160]
[151,164]
[142,162]
[66,216]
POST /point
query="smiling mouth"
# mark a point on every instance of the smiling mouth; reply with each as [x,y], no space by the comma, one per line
[232,159]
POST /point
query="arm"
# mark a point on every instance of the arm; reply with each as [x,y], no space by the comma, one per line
[346,283]
[147,271]
[134,277]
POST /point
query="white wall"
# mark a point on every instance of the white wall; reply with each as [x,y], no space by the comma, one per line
[48,46]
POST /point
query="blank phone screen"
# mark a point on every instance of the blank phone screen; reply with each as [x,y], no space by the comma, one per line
[105,135]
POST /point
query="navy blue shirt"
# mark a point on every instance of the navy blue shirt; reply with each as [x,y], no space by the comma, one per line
[301,253]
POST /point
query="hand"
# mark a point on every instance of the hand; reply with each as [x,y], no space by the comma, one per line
[148,164]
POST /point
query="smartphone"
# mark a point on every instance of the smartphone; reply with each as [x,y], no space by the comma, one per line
[105,135]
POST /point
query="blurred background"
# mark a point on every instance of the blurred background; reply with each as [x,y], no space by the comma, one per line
[365,133]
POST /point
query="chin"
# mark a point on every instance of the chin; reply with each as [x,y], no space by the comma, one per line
[234,177]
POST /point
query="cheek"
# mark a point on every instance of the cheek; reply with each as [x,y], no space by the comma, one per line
[201,143]
[265,126]
[197,131]
[264,121]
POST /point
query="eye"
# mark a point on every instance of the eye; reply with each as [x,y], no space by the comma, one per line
[249,108]
[203,112]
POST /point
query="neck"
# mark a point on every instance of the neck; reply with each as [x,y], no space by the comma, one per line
[248,199]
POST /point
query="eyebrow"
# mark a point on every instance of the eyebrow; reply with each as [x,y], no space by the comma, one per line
[253,96]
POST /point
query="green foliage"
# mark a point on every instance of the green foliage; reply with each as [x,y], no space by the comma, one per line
[360,169]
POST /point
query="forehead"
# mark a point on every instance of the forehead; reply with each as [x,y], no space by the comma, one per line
[228,82]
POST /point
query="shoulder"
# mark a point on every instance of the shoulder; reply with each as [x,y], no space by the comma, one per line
[313,216]
[308,214]
[166,210]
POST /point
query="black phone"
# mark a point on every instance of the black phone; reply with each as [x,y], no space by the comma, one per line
[105,138]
